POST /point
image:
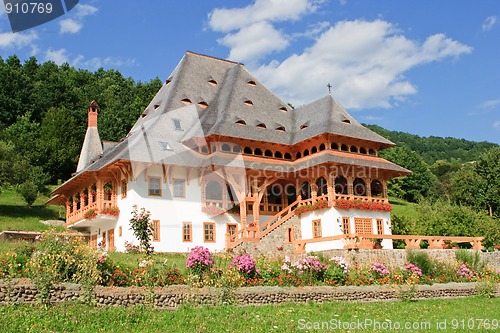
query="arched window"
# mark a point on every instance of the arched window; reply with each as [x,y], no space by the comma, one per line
[204,150]
[359,187]
[372,152]
[305,190]
[257,151]
[298,155]
[321,186]
[288,156]
[377,188]
[213,190]
[344,148]
[278,154]
[268,153]
[314,150]
[274,194]
[341,185]
[247,150]
[306,152]
[291,193]
[362,150]
[236,149]
[334,146]
[226,147]
[354,149]
[322,147]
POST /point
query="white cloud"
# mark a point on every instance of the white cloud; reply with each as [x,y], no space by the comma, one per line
[490,104]
[489,23]
[58,56]
[496,125]
[96,62]
[253,42]
[226,20]
[17,40]
[313,30]
[74,23]
[250,34]
[364,61]
[70,26]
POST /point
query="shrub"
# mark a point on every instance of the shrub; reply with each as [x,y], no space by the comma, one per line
[245,265]
[141,225]
[422,261]
[28,191]
[471,259]
[199,260]
[379,270]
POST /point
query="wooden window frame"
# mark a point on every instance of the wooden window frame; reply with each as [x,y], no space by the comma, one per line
[187,226]
[317,231]
[120,231]
[124,188]
[183,187]
[289,233]
[346,225]
[363,223]
[205,234]
[228,225]
[380,226]
[156,230]
[150,188]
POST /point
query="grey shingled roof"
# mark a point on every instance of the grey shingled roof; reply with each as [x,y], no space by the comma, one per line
[226,105]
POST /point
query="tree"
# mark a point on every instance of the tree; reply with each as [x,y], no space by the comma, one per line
[28,191]
[141,225]
[416,186]
[488,169]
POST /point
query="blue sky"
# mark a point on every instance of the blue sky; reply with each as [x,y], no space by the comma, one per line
[430,68]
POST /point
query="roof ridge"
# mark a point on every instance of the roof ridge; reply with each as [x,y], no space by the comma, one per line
[212,57]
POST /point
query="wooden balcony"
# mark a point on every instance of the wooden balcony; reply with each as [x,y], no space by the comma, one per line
[97,206]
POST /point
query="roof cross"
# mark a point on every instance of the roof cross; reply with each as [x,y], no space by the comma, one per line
[329,88]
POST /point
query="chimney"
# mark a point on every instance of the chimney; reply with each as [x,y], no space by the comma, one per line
[93,114]
[92,145]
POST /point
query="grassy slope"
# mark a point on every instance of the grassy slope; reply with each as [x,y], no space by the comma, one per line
[403,208]
[15,215]
[281,318]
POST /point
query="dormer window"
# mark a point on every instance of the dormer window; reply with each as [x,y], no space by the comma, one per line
[177,124]
[248,102]
[304,126]
[203,105]
[164,146]
[283,109]
[280,128]
[261,125]
[251,83]
[212,83]
[346,121]
[156,106]
[167,81]
[241,122]
[186,101]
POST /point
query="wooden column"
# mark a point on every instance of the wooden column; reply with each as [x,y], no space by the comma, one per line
[350,185]
[368,187]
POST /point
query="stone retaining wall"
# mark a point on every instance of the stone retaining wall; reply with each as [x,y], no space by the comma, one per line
[397,258]
[173,296]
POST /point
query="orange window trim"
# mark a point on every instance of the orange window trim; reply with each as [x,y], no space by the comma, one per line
[209,232]
[187,232]
[156,230]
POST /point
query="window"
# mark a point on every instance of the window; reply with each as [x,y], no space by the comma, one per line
[124,189]
[316,225]
[177,124]
[209,232]
[231,229]
[154,186]
[120,231]
[187,232]
[179,188]
[290,234]
[156,230]
[363,225]
[346,225]
[380,226]
[164,146]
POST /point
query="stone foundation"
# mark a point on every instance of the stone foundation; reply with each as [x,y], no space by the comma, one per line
[174,296]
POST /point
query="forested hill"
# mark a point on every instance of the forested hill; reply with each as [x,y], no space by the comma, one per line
[435,148]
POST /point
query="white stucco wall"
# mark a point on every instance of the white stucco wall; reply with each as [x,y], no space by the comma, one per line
[331,225]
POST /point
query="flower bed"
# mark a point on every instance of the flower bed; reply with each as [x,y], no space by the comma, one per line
[320,204]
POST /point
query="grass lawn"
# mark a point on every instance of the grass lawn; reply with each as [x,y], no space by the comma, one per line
[453,315]
[403,208]
[15,215]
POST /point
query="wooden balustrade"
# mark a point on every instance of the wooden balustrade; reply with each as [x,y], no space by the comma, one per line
[98,205]
[354,241]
